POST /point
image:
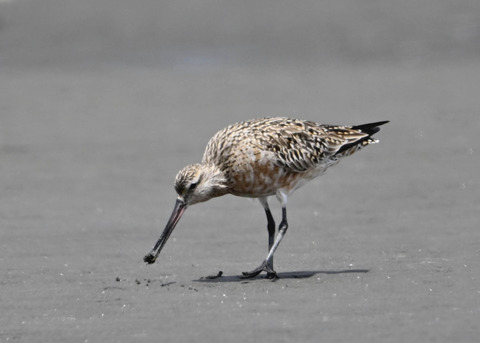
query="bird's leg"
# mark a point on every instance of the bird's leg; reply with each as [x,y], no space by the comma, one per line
[271,233]
[265,266]
[270,225]
[270,228]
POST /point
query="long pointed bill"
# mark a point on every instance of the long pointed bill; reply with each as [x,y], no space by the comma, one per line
[180,207]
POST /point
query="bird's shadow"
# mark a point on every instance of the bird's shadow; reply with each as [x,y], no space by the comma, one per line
[304,274]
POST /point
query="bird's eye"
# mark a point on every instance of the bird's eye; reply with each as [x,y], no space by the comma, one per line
[193,185]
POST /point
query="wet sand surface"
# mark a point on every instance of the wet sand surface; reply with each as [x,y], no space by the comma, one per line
[383,248]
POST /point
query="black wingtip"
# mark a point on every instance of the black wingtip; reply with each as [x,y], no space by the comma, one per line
[370,128]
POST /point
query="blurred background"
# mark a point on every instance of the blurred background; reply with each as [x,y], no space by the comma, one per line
[103,101]
[226,34]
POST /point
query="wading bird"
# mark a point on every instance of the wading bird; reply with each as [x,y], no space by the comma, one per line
[260,158]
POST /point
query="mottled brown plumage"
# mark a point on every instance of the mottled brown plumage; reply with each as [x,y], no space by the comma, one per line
[263,157]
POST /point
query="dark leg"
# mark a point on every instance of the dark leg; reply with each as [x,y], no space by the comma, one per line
[265,266]
[271,232]
[270,226]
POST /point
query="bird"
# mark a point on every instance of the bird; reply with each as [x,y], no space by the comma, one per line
[259,158]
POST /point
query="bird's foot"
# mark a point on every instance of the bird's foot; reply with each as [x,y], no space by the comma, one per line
[264,267]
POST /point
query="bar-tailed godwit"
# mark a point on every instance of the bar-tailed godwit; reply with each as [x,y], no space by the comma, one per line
[259,158]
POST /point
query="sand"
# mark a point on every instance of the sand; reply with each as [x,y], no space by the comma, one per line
[383,248]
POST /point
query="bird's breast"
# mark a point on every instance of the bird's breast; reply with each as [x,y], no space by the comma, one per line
[256,174]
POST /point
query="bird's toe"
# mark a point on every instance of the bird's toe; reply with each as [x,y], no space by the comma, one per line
[264,267]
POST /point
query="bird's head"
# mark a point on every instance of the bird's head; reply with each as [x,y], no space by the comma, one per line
[194,183]
[199,182]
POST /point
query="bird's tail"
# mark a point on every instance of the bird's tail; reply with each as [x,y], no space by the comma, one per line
[369,129]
